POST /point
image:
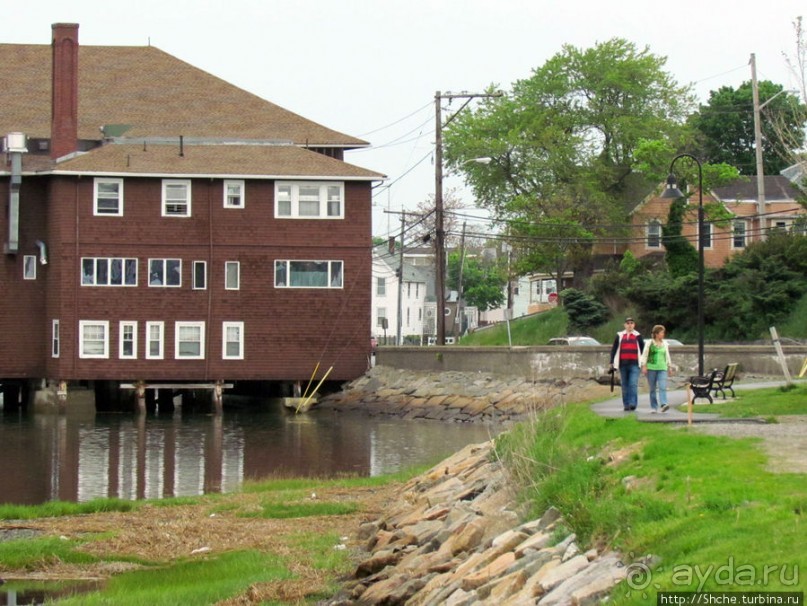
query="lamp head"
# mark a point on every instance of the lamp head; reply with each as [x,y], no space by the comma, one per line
[672,191]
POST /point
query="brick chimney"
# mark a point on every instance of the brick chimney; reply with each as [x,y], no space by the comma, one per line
[64,106]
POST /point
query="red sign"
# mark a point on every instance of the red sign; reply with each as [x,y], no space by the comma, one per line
[553,297]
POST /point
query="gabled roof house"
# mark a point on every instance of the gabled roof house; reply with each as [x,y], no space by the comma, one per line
[782,210]
[164,226]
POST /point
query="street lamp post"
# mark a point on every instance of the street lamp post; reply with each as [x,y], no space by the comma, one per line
[673,192]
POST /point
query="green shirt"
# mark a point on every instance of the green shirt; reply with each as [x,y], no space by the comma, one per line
[657,357]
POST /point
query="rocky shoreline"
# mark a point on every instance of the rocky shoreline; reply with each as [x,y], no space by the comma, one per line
[456,538]
[456,396]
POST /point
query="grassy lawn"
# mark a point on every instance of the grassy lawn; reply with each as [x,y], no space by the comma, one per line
[697,504]
[766,403]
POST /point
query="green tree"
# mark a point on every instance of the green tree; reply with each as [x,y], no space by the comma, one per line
[483,281]
[726,127]
[562,144]
[584,311]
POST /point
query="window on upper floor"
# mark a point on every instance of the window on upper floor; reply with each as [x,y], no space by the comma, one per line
[232,347]
[654,234]
[29,267]
[127,347]
[190,339]
[199,275]
[55,348]
[309,200]
[93,339]
[234,193]
[381,286]
[739,231]
[308,274]
[706,235]
[108,271]
[108,197]
[176,198]
[232,277]
[165,272]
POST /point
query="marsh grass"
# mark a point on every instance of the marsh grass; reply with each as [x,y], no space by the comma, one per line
[31,554]
[688,498]
[211,578]
[54,509]
[190,583]
[284,510]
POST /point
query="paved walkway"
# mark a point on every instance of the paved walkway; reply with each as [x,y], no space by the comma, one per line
[613,408]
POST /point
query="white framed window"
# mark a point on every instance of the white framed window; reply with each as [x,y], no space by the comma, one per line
[155,337]
[234,193]
[189,339]
[381,286]
[381,317]
[308,274]
[232,346]
[29,267]
[55,344]
[93,339]
[127,345]
[176,198]
[108,197]
[165,273]
[232,275]
[200,275]
[108,271]
[309,200]
[739,233]
[654,234]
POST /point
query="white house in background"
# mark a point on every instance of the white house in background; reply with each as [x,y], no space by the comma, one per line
[520,301]
[415,289]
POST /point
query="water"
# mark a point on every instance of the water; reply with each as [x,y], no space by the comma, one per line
[81,456]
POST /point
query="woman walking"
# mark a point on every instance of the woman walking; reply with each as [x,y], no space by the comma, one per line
[657,365]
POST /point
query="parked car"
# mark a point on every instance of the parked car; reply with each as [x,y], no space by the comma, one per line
[574,341]
[673,342]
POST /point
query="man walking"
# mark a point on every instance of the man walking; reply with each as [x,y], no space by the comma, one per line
[625,351]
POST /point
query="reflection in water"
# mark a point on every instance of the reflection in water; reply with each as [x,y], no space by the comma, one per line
[75,457]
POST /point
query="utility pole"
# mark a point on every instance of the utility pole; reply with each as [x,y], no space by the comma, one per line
[458,318]
[439,230]
[399,340]
[758,147]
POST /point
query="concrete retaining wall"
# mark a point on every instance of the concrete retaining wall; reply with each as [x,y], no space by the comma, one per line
[552,362]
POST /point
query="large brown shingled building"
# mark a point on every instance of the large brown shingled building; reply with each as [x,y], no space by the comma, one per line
[164,227]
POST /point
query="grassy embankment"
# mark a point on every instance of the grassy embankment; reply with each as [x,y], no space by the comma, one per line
[705,507]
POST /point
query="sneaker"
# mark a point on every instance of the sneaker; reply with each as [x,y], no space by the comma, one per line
[654,411]
[665,408]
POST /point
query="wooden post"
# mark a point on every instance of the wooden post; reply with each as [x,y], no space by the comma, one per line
[218,398]
[780,354]
[690,396]
[140,396]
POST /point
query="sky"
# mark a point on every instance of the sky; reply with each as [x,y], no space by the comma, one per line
[371,68]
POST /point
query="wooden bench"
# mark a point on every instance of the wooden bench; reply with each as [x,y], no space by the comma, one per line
[724,379]
[702,386]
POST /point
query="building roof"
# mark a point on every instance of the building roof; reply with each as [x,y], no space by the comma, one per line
[148,93]
[249,161]
[777,187]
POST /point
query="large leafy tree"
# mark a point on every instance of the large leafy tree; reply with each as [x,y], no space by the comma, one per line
[562,145]
[483,280]
[726,126]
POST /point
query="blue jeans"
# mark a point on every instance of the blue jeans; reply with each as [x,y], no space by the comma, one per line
[657,379]
[629,376]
